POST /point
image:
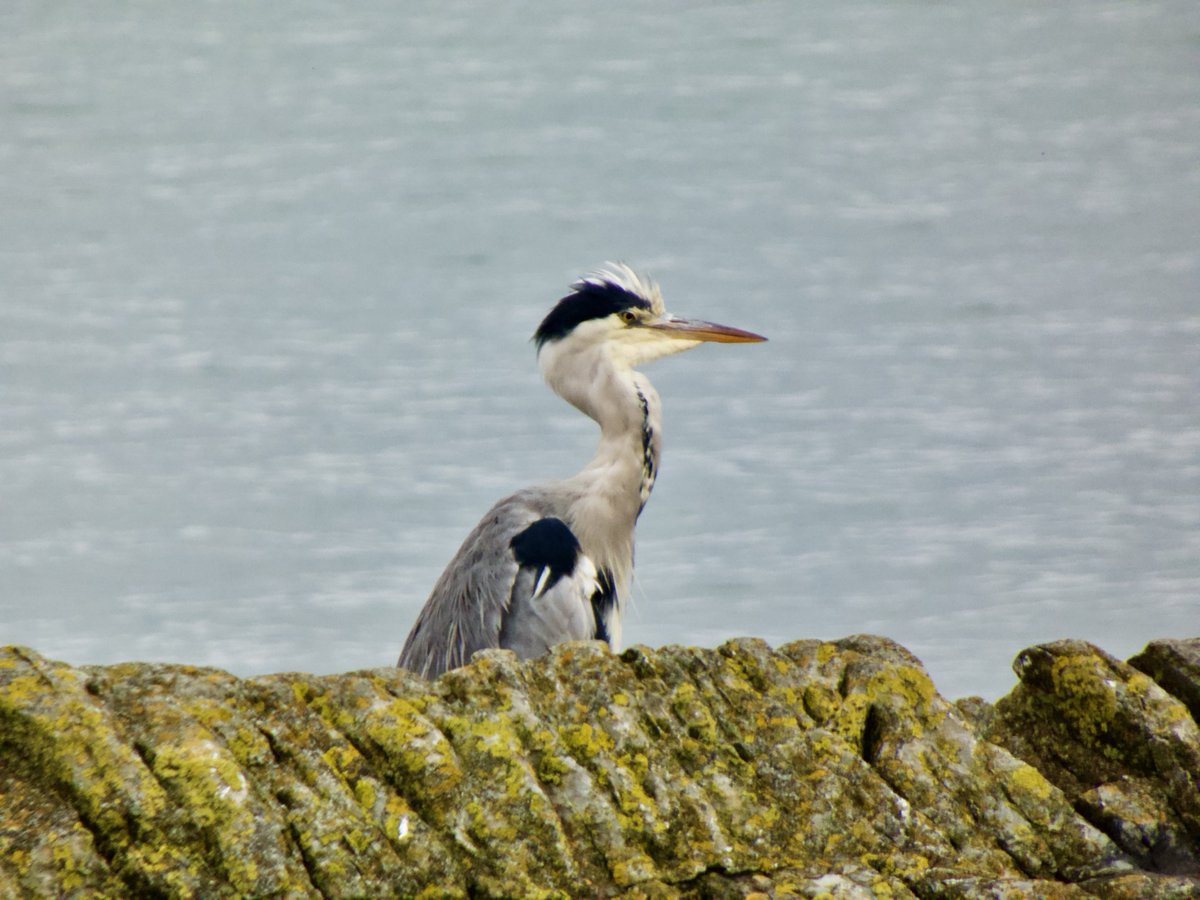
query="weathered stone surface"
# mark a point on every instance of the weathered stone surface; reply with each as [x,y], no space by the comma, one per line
[1124,750]
[1175,666]
[817,769]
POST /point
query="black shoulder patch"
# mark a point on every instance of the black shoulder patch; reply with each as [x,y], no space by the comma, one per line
[590,300]
[547,544]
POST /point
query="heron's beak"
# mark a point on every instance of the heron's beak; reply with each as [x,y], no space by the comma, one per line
[696,330]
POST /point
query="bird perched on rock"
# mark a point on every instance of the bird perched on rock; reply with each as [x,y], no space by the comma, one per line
[552,563]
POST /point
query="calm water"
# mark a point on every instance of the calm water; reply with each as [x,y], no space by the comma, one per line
[267,278]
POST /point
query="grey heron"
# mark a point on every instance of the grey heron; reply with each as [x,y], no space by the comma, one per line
[552,563]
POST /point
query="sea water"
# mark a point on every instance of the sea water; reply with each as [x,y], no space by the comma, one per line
[268,276]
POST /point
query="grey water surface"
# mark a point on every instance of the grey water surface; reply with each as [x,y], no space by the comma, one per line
[268,275]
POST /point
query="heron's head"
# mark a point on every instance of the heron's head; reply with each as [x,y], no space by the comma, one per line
[621,313]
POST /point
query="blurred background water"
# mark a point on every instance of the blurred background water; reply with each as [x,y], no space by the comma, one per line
[268,275]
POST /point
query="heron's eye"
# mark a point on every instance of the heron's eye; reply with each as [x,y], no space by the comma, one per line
[628,316]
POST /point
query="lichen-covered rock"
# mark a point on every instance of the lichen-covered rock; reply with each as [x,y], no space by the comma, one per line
[1124,750]
[817,769]
[1175,667]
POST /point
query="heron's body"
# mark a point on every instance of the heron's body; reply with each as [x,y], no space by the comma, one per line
[553,563]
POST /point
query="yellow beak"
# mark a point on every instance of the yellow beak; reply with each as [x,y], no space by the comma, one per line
[696,330]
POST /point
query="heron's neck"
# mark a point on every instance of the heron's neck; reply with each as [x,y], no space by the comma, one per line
[614,486]
[625,463]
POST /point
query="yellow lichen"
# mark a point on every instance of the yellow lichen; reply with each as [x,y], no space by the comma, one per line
[584,741]
[1082,697]
[1031,781]
[632,869]
[415,745]
[366,794]
[19,860]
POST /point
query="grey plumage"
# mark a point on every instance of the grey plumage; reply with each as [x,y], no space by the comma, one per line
[552,563]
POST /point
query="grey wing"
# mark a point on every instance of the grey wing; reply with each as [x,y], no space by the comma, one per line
[551,596]
[518,581]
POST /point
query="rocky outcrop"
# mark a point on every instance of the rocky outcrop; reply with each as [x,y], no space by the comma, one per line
[1116,741]
[817,769]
